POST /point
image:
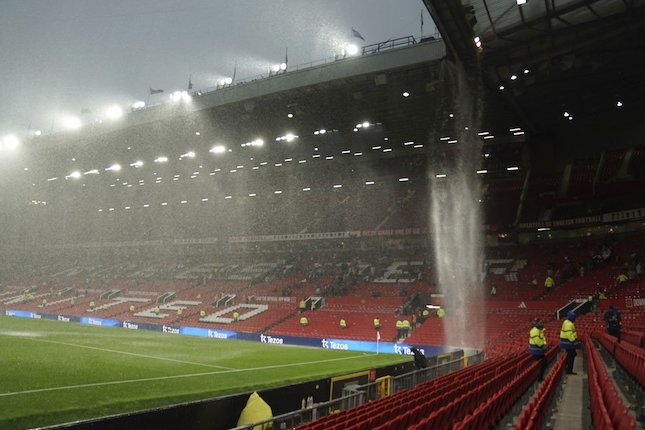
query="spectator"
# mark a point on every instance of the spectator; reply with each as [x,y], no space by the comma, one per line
[343,323]
[405,328]
[549,283]
[420,360]
[537,346]
[304,321]
[236,316]
[441,313]
[377,323]
[569,341]
[399,328]
[302,306]
[493,290]
[621,279]
[613,322]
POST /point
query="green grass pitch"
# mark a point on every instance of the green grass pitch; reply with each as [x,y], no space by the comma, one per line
[54,372]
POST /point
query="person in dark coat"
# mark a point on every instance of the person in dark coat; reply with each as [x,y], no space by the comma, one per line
[420,360]
[612,320]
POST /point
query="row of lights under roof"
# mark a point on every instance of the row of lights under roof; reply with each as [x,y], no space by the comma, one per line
[195,174]
[77,174]
[279,192]
[219,149]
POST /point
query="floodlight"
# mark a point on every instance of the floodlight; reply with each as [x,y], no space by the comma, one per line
[10,142]
[114,112]
[351,49]
[478,42]
[218,149]
[138,105]
[512,168]
[290,137]
[366,124]
[283,66]
[137,164]
[275,68]
[162,159]
[406,94]
[619,104]
[521,2]
[71,122]
[114,168]
[289,115]
[513,77]
[38,133]
[481,172]
[75,174]
[92,172]
[441,175]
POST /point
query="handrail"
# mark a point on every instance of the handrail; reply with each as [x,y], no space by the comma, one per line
[360,395]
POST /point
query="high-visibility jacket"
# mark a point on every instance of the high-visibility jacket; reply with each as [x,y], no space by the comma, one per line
[568,335]
[304,321]
[377,322]
[399,324]
[549,282]
[441,313]
[405,324]
[537,341]
[343,323]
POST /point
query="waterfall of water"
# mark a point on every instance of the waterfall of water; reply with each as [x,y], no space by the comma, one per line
[455,215]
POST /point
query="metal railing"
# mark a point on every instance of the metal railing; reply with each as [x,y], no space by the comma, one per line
[361,394]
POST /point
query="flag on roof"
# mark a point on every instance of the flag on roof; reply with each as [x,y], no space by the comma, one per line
[357,34]
[153,91]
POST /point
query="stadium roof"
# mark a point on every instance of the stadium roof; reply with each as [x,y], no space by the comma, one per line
[580,55]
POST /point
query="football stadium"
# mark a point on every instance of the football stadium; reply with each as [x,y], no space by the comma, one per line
[444,230]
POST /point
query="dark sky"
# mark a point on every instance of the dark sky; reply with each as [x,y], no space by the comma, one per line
[60,56]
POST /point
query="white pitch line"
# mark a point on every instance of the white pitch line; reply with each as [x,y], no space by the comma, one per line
[188,375]
[134,354]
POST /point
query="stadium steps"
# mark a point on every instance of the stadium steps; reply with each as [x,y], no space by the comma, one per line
[280,321]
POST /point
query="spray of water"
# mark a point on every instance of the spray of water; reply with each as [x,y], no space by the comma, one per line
[455,215]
